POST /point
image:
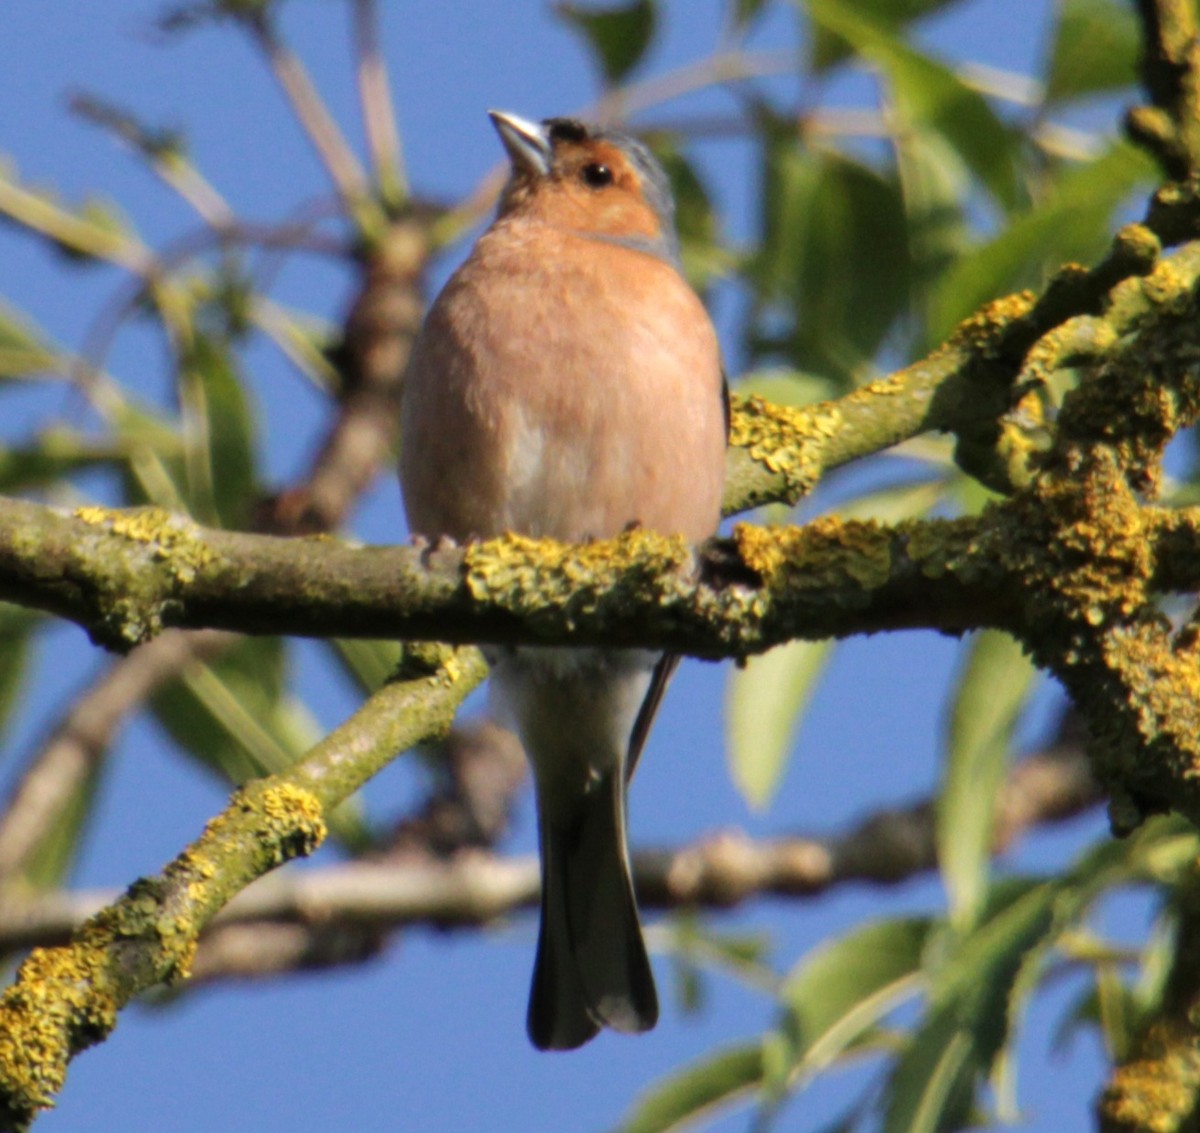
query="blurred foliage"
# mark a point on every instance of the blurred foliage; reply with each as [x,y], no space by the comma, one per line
[618,36]
[873,233]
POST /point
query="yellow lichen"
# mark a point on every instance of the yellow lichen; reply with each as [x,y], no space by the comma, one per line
[1084,336]
[1157,1092]
[885,387]
[1137,242]
[785,440]
[171,538]
[981,331]
[184,958]
[1162,687]
[824,553]
[527,575]
[95,516]
[60,1003]
[1169,287]
[295,819]
[1078,545]
[762,549]
[452,670]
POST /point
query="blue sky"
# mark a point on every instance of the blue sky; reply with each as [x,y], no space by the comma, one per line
[431,1037]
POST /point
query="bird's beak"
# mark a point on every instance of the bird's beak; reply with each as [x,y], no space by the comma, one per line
[526,142]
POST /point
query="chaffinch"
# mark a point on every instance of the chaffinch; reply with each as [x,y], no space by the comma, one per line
[567,383]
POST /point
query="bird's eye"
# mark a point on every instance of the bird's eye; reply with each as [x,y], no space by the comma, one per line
[597,175]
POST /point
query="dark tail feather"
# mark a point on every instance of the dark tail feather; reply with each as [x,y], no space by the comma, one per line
[592,969]
[663,672]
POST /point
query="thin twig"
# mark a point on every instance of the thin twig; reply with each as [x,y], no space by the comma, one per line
[335,153]
[379,120]
[163,153]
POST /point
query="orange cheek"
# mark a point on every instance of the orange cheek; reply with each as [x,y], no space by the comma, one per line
[615,212]
[630,217]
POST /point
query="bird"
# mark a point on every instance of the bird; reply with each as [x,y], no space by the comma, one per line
[567,383]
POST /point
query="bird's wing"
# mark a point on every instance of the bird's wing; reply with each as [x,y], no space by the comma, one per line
[663,672]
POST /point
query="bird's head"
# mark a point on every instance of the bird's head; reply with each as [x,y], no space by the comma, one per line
[589,180]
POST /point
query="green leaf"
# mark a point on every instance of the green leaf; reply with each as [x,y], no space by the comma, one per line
[697,1091]
[844,987]
[832,270]
[695,947]
[766,699]
[24,352]
[768,696]
[931,95]
[367,663]
[56,454]
[618,36]
[982,965]
[932,1086]
[1116,1009]
[992,690]
[1072,224]
[233,715]
[829,48]
[1095,48]
[738,953]
[742,13]
[94,230]
[936,185]
[1162,851]
[225,712]
[51,859]
[222,467]
[156,469]
[17,625]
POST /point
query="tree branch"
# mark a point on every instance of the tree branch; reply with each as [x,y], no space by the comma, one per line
[374,96]
[1157,1081]
[126,575]
[65,999]
[338,158]
[1170,127]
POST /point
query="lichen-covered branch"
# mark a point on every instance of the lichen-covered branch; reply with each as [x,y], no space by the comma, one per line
[1097,622]
[125,575]
[1170,126]
[67,998]
[969,386]
[1155,1086]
